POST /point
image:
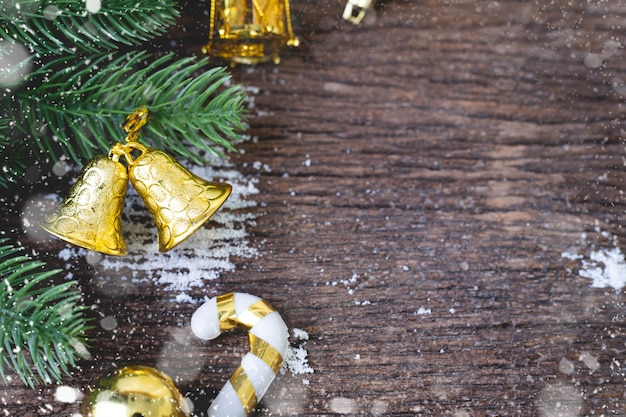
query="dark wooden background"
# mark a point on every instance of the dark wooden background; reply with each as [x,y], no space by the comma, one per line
[456,149]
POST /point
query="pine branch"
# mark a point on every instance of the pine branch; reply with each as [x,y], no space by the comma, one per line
[192,105]
[12,156]
[66,27]
[85,103]
[42,323]
[81,88]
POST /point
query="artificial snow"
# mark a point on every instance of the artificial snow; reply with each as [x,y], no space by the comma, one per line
[605,267]
[296,359]
[300,334]
[571,256]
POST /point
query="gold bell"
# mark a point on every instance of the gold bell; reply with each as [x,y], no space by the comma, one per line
[135,391]
[90,216]
[250,31]
[179,201]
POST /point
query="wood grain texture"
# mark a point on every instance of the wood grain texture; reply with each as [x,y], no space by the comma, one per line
[439,159]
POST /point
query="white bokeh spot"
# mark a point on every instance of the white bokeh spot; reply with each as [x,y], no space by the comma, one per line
[93,6]
[15,64]
[560,400]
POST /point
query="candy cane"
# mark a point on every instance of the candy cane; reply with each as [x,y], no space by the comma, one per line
[268,337]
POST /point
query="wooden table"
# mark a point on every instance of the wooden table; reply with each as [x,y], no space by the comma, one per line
[427,178]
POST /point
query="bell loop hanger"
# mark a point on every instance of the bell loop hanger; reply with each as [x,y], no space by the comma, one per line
[126,150]
[134,122]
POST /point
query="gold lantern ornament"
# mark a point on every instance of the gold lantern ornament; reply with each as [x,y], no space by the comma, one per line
[180,202]
[250,31]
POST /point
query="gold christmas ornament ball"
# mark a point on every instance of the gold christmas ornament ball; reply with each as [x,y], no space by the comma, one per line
[134,391]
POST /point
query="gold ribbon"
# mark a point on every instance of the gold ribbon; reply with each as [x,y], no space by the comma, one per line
[226,311]
[244,389]
[266,352]
[253,314]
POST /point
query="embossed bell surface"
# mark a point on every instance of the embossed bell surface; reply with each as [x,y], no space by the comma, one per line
[90,216]
[179,201]
[135,391]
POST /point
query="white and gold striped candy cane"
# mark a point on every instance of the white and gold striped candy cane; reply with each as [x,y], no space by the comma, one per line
[269,340]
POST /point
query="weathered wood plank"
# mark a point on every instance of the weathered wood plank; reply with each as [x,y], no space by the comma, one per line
[424,173]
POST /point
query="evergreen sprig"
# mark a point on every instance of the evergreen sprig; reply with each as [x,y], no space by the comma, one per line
[66,27]
[88,101]
[41,326]
[12,158]
[83,85]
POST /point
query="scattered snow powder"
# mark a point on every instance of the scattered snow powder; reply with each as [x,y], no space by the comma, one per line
[423,310]
[66,254]
[300,334]
[606,268]
[296,361]
[348,283]
[571,256]
[184,298]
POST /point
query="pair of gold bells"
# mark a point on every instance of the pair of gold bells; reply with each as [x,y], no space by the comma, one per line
[179,201]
